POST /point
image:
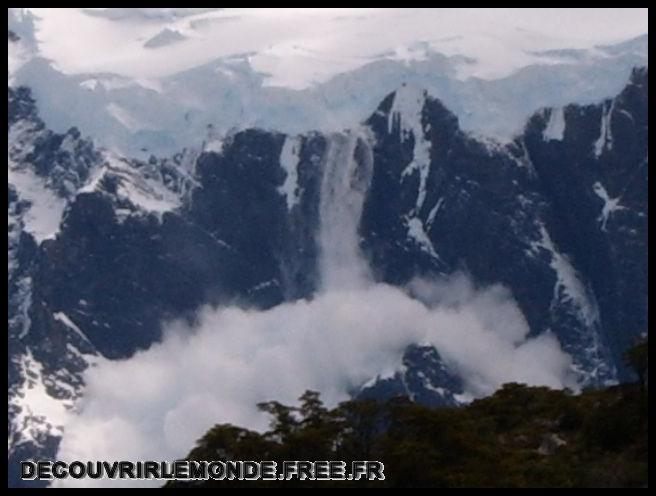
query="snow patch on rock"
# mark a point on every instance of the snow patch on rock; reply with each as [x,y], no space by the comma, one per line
[38,414]
[145,194]
[569,286]
[605,140]
[289,158]
[64,319]
[555,129]
[406,116]
[610,204]
[44,215]
[418,234]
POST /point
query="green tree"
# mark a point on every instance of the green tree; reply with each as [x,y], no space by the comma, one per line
[312,410]
[283,419]
[637,358]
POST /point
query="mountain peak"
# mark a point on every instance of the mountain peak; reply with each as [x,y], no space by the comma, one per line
[165,37]
[410,109]
[639,76]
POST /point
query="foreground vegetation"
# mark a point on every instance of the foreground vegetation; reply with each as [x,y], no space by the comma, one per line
[519,437]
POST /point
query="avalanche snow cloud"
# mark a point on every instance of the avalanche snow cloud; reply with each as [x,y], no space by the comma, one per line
[158,403]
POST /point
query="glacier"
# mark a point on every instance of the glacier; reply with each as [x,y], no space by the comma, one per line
[138,114]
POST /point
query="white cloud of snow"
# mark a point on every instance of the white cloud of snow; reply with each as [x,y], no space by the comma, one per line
[158,403]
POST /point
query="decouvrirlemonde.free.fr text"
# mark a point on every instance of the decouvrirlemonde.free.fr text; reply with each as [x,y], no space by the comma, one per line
[204,470]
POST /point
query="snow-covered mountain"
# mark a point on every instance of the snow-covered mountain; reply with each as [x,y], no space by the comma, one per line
[558,216]
[109,243]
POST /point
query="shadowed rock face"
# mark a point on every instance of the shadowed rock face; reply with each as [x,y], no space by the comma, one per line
[559,217]
[596,179]
[560,220]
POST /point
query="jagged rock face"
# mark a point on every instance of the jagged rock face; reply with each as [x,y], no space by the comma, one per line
[596,179]
[559,217]
[240,203]
[138,243]
[423,378]
[46,357]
